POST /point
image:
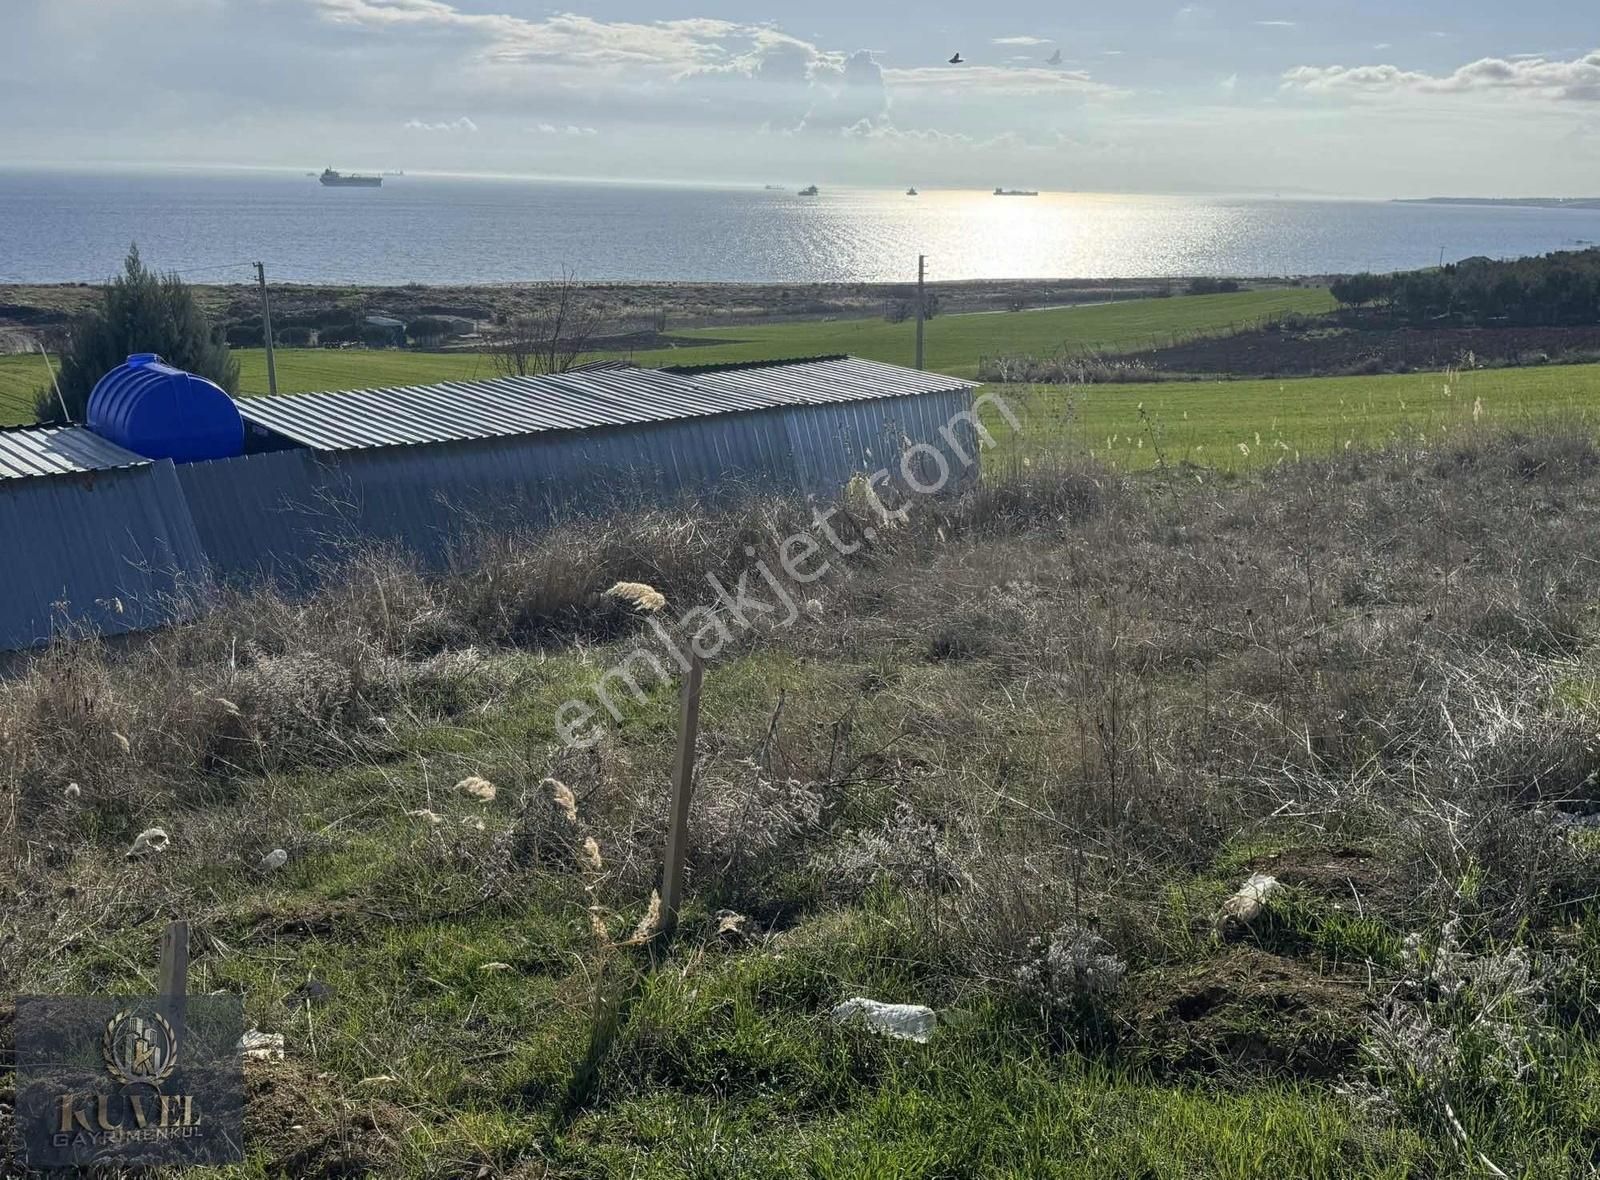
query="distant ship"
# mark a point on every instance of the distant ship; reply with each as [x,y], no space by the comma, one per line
[773,188]
[1016,192]
[809,191]
[333,179]
[911,192]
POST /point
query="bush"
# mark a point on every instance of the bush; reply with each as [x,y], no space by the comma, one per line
[1205,285]
[139,311]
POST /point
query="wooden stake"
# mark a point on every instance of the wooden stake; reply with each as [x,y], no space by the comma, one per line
[174,978]
[682,793]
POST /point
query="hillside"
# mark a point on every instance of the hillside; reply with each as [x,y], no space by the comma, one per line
[1010,766]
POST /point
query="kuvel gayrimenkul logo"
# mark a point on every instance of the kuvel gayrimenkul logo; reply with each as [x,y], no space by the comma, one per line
[129,1082]
[139,1047]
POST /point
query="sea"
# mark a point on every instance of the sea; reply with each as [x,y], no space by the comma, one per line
[210,226]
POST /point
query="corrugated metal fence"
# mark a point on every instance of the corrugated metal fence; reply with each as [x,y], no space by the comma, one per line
[286,513]
[133,548]
[113,551]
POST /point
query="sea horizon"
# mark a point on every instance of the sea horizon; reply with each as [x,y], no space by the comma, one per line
[74,223]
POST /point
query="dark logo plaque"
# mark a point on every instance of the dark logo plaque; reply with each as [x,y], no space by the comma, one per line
[132,1082]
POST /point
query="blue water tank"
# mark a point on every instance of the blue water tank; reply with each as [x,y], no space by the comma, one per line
[160,412]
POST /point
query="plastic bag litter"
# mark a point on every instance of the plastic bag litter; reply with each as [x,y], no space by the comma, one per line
[148,841]
[259,1046]
[908,1022]
[1248,904]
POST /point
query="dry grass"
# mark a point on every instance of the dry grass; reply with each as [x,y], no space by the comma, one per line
[1012,769]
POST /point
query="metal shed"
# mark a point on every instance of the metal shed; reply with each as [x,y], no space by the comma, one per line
[423,467]
[98,538]
[59,450]
[121,543]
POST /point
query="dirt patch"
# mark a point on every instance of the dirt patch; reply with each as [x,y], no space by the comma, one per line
[1244,1012]
[1325,350]
[306,1129]
[270,924]
[1352,878]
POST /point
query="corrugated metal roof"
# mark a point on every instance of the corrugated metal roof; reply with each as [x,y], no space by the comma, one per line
[818,382]
[59,450]
[484,409]
[577,400]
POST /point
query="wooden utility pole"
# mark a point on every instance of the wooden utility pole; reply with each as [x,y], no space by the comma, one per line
[922,272]
[266,327]
[682,793]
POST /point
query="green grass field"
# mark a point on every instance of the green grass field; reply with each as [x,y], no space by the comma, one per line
[955,344]
[1233,425]
[21,378]
[1243,425]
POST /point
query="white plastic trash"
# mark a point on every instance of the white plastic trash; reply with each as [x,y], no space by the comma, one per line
[908,1022]
[148,841]
[1249,903]
[259,1046]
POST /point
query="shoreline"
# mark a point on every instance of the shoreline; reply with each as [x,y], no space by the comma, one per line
[46,309]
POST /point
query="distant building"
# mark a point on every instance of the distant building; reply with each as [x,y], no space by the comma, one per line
[385,331]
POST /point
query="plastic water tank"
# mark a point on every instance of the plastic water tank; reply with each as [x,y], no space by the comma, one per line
[161,412]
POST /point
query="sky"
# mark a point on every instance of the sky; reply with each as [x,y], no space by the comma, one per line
[1357,98]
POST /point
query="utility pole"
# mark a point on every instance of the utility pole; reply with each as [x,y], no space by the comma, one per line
[922,273]
[54,384]
[266,328]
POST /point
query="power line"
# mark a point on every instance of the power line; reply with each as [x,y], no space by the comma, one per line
[192,270]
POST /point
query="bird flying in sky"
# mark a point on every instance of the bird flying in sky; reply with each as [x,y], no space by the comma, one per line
[1054,59]
[956,60]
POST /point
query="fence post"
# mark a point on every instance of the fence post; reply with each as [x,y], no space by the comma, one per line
[173,982]
[682,793]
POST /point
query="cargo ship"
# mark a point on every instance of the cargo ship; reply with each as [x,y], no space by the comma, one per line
[334,179]
[1016,192]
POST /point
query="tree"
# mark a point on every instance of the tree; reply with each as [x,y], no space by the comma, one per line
[554,337]
[898,311]
[429,330]
[1358,290]
[139,311]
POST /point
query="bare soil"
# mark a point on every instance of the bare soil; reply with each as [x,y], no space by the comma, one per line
[1352,878]
[307,1129]
[1246,1011]
[1328,350]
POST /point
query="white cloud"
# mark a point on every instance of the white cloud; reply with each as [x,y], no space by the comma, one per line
[461,124]
[997,80]
[563,39]
[1022,40]
[1229,84]
[1276,24]
[1567,81]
